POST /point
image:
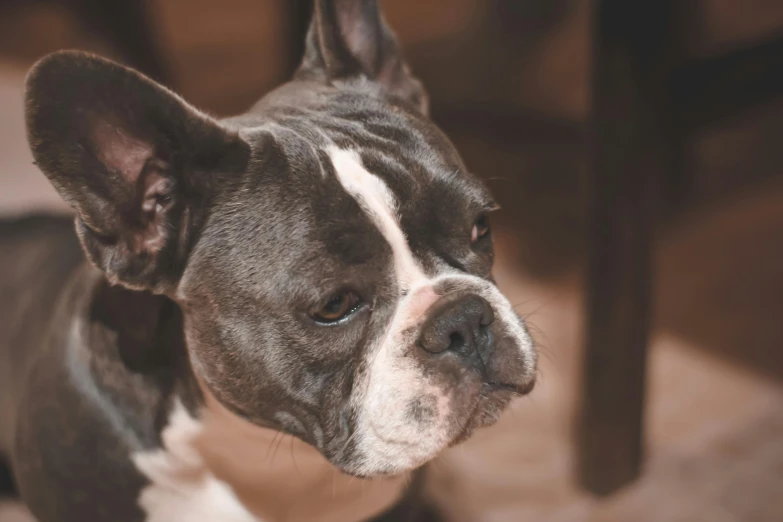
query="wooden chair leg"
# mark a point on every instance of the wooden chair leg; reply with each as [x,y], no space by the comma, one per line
[629,151]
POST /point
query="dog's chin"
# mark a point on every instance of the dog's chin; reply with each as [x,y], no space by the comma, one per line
[492,400]
[379,474]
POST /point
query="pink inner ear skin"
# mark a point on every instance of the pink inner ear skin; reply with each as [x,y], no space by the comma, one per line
[360,37]
[120,152]
[145,180]
[155,201]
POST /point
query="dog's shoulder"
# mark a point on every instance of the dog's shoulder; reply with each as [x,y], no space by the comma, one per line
[92,382]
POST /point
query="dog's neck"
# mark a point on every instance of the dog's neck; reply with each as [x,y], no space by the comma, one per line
[284,478]
[272,477]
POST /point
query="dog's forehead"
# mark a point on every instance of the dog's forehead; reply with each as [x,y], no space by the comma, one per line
[292,197]
[406,150]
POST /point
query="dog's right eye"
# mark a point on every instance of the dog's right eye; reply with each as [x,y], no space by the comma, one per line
[337,308]
[480,229]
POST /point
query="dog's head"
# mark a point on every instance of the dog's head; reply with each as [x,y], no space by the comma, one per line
[330,252]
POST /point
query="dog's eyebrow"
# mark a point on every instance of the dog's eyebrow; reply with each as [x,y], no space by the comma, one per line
[483,205]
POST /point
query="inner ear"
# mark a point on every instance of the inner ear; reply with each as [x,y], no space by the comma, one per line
[361,31]
[349,38]
[133,159]
[118,150]
[145,170]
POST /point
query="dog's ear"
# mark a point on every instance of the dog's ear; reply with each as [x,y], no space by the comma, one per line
[133,159]
[349,38]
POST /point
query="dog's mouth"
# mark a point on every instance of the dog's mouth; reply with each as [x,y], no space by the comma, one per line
[494,398]
[515,390]
[487,404]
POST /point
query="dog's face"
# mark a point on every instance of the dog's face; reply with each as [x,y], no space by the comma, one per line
[331,254]
[347,276]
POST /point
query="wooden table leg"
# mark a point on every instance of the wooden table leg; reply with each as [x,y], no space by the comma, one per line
[629,150]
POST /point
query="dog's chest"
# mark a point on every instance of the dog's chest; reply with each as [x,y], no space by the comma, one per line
[222,468]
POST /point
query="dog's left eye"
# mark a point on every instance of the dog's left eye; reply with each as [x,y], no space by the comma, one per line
[480,229]
[337,308]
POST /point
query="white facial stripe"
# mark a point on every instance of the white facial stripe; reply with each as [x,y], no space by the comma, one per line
[377,201]
[385,434]
[386,439]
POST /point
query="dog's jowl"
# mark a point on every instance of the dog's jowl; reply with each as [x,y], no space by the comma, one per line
[285,314]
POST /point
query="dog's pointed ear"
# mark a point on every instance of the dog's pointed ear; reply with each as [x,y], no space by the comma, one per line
[133,159]
[349,38]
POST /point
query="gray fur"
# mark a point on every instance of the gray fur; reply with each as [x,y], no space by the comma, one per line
[212,240]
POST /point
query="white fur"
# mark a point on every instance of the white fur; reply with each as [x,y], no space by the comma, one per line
[222,468]
[385,435]
[376,199]
[182,488]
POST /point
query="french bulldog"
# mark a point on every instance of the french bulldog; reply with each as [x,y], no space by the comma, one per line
[282,316]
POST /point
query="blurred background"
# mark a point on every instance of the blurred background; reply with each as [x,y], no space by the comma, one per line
[561,106]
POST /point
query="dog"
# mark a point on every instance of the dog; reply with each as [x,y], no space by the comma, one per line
[313,274]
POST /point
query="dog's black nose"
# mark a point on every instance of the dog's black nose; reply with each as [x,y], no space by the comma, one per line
[458,324]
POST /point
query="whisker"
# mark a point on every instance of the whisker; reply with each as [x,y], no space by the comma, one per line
[277,448]
[348,441]
[293,458]
[271,445]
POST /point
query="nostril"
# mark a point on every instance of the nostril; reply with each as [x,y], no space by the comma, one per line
[456,342]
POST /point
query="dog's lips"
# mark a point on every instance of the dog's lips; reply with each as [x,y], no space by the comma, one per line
[518,389]
[491,403]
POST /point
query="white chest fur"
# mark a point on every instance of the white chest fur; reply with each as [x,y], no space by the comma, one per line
[221,467]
